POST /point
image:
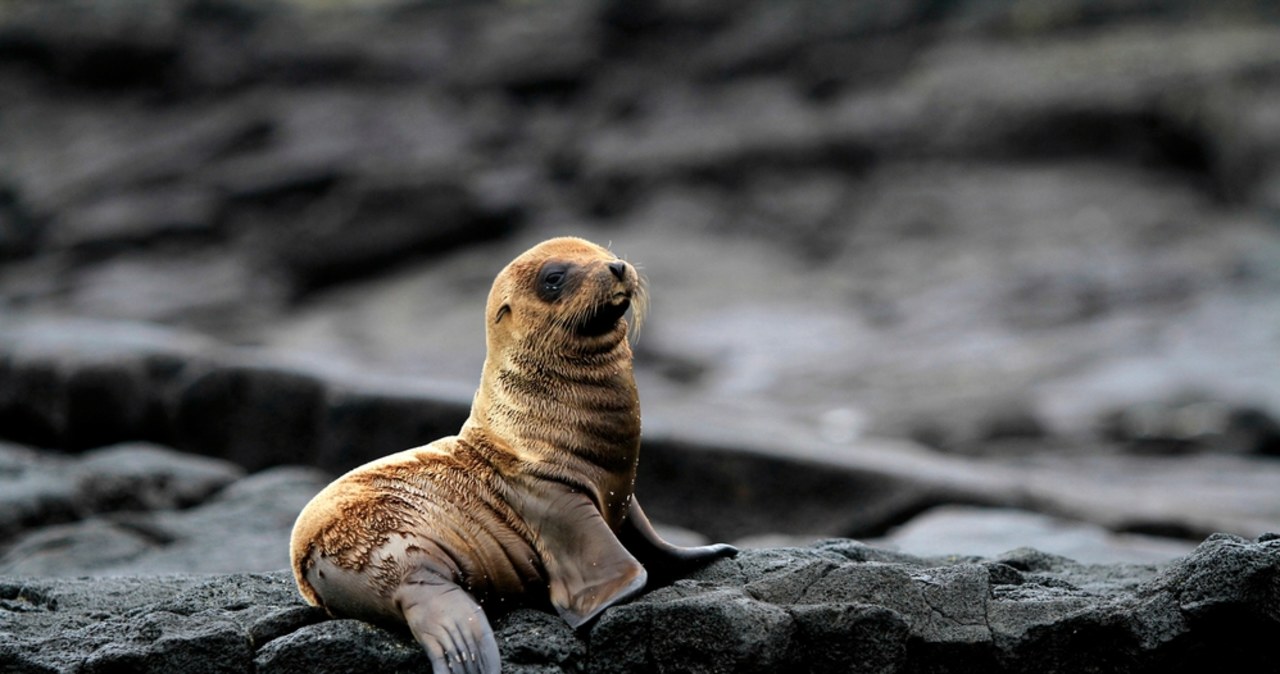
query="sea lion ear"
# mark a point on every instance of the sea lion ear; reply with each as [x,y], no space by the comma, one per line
[502,311]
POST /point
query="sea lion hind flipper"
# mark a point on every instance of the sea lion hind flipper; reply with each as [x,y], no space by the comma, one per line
[588,569]
[665,560]
[449,624]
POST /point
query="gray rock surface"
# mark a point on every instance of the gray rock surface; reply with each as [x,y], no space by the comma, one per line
[38,489]
[74,384]
[836,605]
[964,530]
[243,526]
[770,479]
[138,508]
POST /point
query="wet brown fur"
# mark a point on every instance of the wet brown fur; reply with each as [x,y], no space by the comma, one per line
[553,405]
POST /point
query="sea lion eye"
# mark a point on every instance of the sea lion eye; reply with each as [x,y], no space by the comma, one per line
[551,281]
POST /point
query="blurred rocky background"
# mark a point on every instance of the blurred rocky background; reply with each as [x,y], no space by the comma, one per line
[947,277]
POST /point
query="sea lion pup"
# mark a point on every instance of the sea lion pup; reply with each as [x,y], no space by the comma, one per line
[531,500]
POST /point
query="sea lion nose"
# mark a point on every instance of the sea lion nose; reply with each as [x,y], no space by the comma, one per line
[619,269]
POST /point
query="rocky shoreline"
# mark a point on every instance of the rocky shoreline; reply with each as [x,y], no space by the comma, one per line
[132,513]
[946,278]
[836,606]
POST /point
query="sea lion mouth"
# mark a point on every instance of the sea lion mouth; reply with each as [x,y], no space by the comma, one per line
[605,316]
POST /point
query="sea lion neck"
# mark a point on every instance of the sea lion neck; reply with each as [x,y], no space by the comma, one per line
[564,416]
[543,388]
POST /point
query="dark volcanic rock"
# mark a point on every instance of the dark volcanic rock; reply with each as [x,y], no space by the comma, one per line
[532,48]
[139,476]
[79,384]
[212,537]
[377,222]
[370,418]
[154,624]
[19,234]
[743,493]
[102,510]
[122,44]
[35,491]
[255,415]
[836,606]
[41,489]
[341,646]
[1188,423]
[120,220]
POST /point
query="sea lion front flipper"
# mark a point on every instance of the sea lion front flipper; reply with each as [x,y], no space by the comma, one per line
[664,559]
[588,570]
[449,624]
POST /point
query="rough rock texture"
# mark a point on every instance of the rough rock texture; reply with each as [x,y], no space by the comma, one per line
[74,384]
[243,527]
[38,489]
[138,509]
[838,605]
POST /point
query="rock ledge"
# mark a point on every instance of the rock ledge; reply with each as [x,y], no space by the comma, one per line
[836,606]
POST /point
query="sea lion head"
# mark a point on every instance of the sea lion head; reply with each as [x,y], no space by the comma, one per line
[564,291]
